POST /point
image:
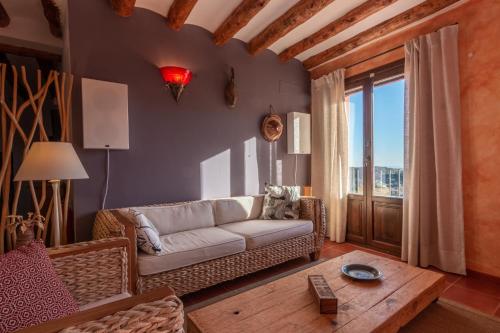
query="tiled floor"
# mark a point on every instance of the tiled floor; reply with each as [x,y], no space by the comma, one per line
[476,291]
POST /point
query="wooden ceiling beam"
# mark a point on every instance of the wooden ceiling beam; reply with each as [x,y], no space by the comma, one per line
[53,16]
[4,17]
[348,20]
[124,8]
[238,19]
[295,16]
[388,44]
[179,12]
[410,16]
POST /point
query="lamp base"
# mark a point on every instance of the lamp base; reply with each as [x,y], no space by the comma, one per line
[56,212]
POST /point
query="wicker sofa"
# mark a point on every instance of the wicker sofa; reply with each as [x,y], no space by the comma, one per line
[97,274]
[194,276]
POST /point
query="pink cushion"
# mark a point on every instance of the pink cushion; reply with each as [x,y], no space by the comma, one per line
[30,290]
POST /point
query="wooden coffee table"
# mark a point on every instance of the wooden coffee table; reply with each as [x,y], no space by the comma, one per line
[285,305]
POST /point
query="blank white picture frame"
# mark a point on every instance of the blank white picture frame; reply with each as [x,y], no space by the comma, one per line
[105,115]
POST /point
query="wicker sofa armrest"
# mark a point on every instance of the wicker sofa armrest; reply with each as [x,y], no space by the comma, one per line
[314,209]
[95,270]
[157,311]
[113,223]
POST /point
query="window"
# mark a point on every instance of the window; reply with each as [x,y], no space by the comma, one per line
[388,137]
[375,109]
[354,105]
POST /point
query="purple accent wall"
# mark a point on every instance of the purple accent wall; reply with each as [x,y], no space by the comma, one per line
[168,141]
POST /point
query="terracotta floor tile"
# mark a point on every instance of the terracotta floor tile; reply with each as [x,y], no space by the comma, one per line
[330,253]
[468,297]
[482,285]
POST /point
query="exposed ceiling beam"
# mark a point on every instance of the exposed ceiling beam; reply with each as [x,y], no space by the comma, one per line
[412,15]
[239,18]
[4,17]
[351,18]
[179,12]
[393,41]
[53,16]
[295,16]
[123,8]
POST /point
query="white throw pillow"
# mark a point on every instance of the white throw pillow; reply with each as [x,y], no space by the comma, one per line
[148,238]
[281,202]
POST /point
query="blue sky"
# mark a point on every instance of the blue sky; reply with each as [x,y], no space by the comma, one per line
[388,126]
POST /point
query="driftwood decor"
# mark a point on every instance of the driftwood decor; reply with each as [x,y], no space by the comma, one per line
[230,93]
[12,112]
[272,126]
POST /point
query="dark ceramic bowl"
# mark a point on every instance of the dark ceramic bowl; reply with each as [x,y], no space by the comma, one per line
[361,272]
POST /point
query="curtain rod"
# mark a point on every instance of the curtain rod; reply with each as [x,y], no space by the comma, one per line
[375,56]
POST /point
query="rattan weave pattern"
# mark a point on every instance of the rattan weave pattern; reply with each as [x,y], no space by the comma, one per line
[162,316]
[195,277]
[93,276]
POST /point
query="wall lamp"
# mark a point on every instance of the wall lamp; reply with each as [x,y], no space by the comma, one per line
[176,78]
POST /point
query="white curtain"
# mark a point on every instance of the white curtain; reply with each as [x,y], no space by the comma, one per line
[329,150]
[433,229]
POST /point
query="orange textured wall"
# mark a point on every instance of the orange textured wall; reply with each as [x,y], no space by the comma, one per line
[479,46]
[479,40]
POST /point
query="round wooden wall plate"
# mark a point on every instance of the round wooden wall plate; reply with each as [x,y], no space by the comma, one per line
[272,127]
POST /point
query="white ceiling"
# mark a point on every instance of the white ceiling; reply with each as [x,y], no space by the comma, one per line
[28,26]
[209,14]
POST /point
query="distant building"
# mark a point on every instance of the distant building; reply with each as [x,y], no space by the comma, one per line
[387,181]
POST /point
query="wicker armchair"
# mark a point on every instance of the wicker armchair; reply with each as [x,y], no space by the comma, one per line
[184,280]
[97,271]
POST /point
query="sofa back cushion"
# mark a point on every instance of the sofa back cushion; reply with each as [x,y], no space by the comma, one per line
[238,209]
[31,292]
[169,219]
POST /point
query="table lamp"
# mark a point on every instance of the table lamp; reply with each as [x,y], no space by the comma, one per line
[52,161]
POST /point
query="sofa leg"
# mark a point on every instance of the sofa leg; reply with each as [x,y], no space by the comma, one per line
[315,255]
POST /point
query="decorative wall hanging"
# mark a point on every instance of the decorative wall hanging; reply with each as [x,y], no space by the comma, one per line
[12,130]
[230,93]
[176,78]
[272,126]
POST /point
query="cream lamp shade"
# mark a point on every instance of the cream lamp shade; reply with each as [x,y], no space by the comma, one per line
[51,161]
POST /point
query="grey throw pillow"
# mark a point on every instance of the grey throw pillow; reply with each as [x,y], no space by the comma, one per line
[148,238]
[281,202]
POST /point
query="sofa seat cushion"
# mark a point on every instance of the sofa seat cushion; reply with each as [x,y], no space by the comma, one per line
[259,233]
[190,247]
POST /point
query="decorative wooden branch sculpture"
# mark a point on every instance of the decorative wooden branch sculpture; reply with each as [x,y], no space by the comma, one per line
[10,126]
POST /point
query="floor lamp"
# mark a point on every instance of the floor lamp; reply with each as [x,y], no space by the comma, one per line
[52,161]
